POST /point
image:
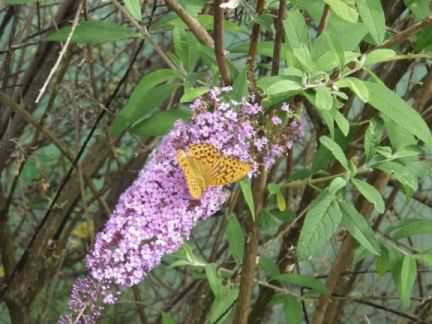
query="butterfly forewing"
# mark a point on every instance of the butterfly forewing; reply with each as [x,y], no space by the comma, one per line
[205,153]
[194,180]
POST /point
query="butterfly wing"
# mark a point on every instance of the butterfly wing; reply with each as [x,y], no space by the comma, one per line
[194,180]
[206,154]
[228,170]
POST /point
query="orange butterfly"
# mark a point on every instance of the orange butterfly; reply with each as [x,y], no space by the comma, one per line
[203,165]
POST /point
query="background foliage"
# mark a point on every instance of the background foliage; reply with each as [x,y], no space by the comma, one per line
[342,224]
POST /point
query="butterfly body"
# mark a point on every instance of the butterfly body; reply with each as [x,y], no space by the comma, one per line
[203,165]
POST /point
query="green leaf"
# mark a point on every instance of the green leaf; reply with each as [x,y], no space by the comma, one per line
[132,115]
[426,259]
[134,8]
[292,309]
[93,31]
[324,98]
[336,150]
[236,239]
[192,93]
[186,257]
[407,279]
[275,189]
[399,137]
[358,227]
[372,137]
[24,2]
[380,55]
[321,222]
[349,35]
[357,86]
[372,15]
[143,101]
[370,193]
[268,266]
[336,185]
[381,263]
[240,86]
[159,123]
[214,279]
[167,318]
[264,48]
[223,305]
[342,123]
[343,10]
[207,22]
[325,57]
[187,49]
[280,201]
[396,109]
[282,86]
[301,281]
[297,32]
[400,172]
[297,36]
[420,8]
[413,226]
[246,188]
[424,39]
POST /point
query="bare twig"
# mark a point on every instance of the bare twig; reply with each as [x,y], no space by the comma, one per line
[196,28]
[405,34]
[62,53]
[62,148]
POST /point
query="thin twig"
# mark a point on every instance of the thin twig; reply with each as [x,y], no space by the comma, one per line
[405,34]
[194,25]
[62,148]
[62,53]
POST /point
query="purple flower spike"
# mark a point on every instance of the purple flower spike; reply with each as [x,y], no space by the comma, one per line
[156,214]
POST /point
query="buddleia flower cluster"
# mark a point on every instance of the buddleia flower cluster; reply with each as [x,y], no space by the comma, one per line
[156,214]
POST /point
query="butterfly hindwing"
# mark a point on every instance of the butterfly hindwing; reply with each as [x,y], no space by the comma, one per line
[228,170]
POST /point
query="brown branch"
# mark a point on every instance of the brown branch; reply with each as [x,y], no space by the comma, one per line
[219,41]
[277,45]
[424,94]
[324,19]
[251,58]
[139,306]
[194,25]
[405,34]
[250,252]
